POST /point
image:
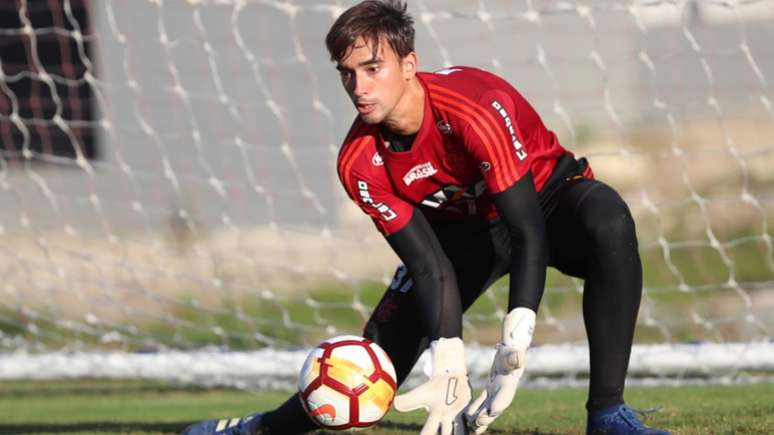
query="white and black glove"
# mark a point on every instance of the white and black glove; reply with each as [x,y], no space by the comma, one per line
[446,394]
[507,368]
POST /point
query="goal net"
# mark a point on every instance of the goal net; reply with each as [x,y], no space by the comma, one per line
[170,206]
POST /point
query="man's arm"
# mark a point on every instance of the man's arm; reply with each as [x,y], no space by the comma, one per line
[435,284]
[519,208]
[447,393]
[516,200]
[413,240]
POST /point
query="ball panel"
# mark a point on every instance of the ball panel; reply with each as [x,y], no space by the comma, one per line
[328,407]
[384,361]
[375,401]
[310,370]
[354,362]
[356,353]
[346,372]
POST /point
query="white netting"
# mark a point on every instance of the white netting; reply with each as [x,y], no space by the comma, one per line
[208,212]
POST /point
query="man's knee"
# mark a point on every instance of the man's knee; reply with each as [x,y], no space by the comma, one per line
[615,226]
[607,219]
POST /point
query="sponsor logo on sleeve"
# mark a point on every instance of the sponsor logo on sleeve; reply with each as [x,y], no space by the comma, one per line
[423,170]
[520,152]
[384,210]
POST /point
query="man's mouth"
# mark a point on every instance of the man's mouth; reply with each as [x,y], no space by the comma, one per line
[365,108]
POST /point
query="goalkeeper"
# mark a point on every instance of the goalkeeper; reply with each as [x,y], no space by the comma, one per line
[460,175]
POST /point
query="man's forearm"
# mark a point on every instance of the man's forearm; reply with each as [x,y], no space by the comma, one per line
[435,284]
[520,211]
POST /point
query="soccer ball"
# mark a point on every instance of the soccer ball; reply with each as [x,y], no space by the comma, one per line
[347,382]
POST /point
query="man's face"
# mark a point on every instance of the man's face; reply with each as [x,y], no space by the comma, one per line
[374,82]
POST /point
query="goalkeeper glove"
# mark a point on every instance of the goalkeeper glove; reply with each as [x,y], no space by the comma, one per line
[507,368]
[446,394]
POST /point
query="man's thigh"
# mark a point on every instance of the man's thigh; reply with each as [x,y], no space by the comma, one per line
[479,253]
[570,247]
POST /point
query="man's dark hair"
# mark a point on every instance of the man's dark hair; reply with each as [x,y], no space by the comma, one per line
[372,20]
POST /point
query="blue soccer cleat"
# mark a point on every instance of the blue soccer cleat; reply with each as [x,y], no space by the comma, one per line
[618,420]
[250,425]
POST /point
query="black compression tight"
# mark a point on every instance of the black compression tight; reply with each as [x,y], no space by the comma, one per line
[592,236]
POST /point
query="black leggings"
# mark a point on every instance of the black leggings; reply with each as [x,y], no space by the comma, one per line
[591,236]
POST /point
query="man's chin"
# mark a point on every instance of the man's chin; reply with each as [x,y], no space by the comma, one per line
[370,118]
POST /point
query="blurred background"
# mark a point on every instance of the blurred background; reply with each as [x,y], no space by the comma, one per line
[168,183]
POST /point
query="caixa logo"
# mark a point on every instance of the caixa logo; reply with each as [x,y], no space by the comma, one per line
[520,152]
[384,210]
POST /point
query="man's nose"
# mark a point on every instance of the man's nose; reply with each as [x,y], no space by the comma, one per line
[360,86]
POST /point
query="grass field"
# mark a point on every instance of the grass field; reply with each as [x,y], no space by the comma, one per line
[110,407]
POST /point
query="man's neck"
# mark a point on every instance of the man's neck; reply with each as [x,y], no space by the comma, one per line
[408,114]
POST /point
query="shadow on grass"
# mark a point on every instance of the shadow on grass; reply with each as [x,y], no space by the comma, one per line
[97,426]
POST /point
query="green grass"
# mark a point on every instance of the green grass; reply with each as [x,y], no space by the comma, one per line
[110,407]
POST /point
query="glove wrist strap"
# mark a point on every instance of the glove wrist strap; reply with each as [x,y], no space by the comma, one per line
[448,356]
[518,327]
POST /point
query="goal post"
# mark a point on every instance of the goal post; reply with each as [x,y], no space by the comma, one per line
[169,191]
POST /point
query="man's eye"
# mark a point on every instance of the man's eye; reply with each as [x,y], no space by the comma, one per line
[345,74]
[373,69]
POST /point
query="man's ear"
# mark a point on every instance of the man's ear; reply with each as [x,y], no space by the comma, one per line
[409,65]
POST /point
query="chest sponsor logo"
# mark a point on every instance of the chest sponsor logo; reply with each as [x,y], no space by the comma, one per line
[485,167]
[384,210]
[520,152]
[423,170]
[377,160]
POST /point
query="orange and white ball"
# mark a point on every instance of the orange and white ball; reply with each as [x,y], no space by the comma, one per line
[347,382]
